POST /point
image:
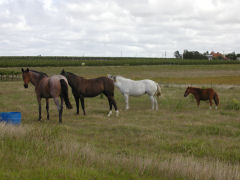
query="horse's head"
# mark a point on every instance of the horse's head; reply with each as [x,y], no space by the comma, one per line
[112,77]
[187,92]
[26,77]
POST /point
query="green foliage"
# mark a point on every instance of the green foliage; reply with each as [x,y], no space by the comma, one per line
[234,104]
[193,55]
[61,61]
[9,74]
[231,56]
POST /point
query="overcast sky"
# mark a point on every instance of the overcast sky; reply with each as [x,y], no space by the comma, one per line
[133,28]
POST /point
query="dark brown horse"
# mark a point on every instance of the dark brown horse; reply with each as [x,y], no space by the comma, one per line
[48,87]
[203,94]
[82,88]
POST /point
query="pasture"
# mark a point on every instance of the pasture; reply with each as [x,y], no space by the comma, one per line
[180,141]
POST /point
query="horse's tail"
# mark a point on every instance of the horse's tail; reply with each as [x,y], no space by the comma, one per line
[158,92]
[216,99]
[64,93]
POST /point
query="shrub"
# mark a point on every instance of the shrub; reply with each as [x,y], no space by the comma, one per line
[234,104]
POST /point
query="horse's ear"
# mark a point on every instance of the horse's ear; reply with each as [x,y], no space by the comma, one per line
[27,70]
[62,71]
[22,70]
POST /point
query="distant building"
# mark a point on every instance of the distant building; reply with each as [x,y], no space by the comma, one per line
[209,56]
[218,56]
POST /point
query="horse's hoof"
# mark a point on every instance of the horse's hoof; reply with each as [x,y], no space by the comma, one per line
[117,113]
[109,114]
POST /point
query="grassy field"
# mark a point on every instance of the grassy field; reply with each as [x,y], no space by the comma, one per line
[180,141]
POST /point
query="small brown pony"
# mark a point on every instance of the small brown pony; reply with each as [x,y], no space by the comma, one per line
[203,94]
[48,87]
[82,88]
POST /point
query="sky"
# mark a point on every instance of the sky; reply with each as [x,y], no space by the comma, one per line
[127,28]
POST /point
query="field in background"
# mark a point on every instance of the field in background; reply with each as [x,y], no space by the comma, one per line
[180,141]
[60,61]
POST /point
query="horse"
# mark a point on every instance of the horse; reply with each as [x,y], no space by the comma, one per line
[129,87]
[82,88]
[203,94]
[48,87]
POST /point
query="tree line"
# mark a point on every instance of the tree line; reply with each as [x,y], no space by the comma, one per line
[197,55]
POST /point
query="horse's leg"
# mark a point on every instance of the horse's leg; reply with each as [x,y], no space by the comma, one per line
[115,105]
[77,103]
[126,101]
[110,105]
[152,101]
[111,102]
[82,104]
[39,108]
[47,108]
[59,108]
[215,98]
[198,102]
[210,101]
[156,103]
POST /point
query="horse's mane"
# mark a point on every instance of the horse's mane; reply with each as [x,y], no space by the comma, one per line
[42,74]
[118,76]
[196,88]
[74,75]
[71,74]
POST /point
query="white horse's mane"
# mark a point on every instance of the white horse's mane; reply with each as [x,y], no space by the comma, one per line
[121,77]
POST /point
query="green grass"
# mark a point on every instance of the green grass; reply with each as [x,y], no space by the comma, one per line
[180,141]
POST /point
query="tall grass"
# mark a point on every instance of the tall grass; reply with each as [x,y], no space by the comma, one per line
[47,147]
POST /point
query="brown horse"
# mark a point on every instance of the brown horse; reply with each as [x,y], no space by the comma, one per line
[82,88]
[48,87]
[203,94]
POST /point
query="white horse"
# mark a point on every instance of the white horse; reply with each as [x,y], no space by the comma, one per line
[129,87]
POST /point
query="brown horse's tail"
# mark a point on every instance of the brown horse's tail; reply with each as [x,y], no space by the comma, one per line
[64,93]
[158,92]
[216,99]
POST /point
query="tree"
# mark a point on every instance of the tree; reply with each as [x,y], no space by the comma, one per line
[193,55]
[177,55]
[231,56]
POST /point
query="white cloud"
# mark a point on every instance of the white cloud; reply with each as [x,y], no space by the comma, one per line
[117,27]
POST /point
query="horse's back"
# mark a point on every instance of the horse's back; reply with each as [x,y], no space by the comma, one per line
[55,85]
[93,87]
[150,86]
[205,94]
[107,84]
[137,87]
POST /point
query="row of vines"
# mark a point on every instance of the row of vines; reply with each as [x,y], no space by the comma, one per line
[9,75]
[61,61]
